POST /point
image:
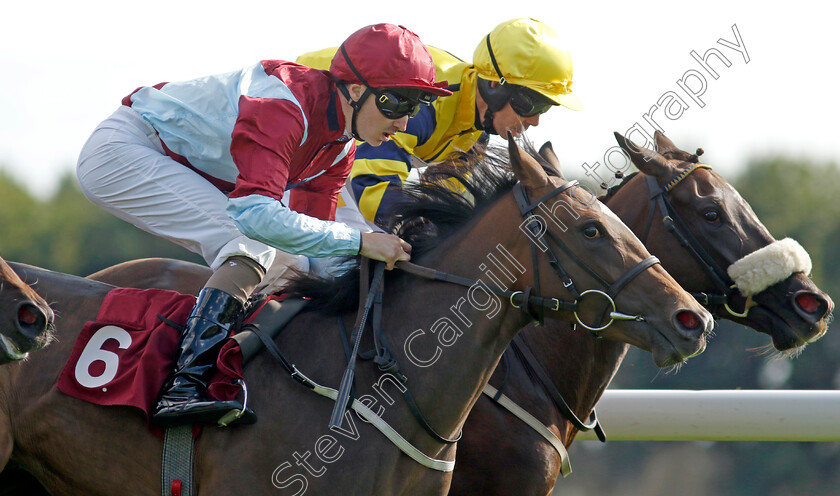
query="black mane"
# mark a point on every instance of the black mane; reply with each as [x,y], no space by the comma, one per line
[428,212]
[612,191]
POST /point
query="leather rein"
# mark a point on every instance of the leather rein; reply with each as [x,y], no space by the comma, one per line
[523,300]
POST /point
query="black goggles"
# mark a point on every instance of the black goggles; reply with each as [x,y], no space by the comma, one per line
[527,102]
[395,104]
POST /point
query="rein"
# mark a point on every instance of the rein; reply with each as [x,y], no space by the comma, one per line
[535,369]
[522,300]
[382,355]
[517,299]
[724,286]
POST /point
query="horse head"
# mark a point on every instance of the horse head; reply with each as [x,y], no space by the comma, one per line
[710,239]
[25,318]
[578,250]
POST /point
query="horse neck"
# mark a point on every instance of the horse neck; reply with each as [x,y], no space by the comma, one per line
[579,365]
[485,324]
[62,290]
[75,301]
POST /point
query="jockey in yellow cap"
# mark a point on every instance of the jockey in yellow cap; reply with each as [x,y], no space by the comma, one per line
[519,71]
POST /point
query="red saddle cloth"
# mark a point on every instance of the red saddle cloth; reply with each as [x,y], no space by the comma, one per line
[125,356]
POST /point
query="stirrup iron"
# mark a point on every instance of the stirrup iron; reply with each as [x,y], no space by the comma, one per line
[234,415]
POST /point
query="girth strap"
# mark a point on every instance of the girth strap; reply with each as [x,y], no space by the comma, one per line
[177,462]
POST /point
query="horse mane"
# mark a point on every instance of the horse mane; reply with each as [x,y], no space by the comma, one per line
[612,191]
[449,195]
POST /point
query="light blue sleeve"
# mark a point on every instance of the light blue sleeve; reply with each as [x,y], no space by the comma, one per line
[269,221]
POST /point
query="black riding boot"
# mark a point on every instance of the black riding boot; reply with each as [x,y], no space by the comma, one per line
[183,400]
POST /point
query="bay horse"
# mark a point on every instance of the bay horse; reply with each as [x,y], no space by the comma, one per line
[793,312]
[25,318]
[73,447]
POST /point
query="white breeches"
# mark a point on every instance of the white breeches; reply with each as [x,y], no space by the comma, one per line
[123,169]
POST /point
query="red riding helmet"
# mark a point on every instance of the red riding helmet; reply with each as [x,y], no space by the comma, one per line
[387,56]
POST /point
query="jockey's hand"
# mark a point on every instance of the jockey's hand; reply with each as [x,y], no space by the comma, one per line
[385,247]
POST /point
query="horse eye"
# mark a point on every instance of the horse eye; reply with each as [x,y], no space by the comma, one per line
[591,232]
[711,216]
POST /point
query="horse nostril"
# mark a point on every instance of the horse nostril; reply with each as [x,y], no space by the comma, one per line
[31,320]
[808,302]
[26,315]
[688,319]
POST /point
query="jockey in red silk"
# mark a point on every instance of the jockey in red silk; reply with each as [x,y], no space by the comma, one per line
[206,163]
[518,72]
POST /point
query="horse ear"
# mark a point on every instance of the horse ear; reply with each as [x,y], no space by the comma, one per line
[663,144]
[547,152]
[647,161]
[669,150]
[525,167]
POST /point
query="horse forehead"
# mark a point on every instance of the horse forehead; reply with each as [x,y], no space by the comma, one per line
[711,186]
[606,212]
[705,183]
[739,207]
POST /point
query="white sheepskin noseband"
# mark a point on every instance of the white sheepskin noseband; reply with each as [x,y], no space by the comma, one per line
[766,266]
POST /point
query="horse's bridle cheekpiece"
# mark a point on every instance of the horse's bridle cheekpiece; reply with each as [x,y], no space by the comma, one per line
[534,225]
[725,288]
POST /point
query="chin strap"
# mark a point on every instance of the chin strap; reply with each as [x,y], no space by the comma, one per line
[487,123]
[356,105]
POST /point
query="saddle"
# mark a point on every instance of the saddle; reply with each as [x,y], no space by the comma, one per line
[124,356]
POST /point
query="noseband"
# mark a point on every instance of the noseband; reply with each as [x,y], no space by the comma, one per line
[725,288]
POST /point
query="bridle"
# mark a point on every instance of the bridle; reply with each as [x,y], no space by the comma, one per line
[536,225]
[530,298]
[725,288]
[523,300]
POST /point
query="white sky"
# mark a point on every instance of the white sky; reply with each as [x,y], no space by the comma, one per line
[66,65]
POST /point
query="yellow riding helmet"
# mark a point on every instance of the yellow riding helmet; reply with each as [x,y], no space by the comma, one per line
[528,53]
